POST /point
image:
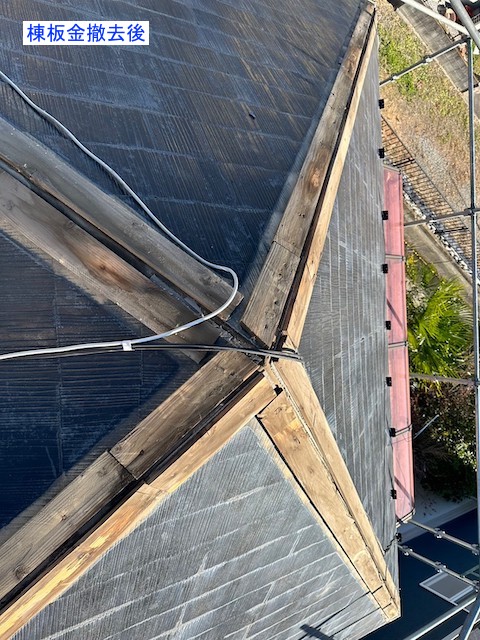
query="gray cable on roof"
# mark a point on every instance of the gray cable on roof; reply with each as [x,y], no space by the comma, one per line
[174,346]
[125,344]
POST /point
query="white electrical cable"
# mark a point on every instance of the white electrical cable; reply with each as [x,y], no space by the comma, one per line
[125,344]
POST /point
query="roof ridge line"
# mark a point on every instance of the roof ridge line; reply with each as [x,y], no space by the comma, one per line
[277,308]
[53,175]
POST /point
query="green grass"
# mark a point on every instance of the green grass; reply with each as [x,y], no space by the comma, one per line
[427,87]
[397,52]
[476,65]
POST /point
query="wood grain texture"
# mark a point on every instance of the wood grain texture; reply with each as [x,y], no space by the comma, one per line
[51,174]
[391,612]
[300,452]
[297,308]
[254,397]
[73,507]
[271,291]
[72,566]
[164,428]
[295,224]
[294,379]
[267,304]
[102,271]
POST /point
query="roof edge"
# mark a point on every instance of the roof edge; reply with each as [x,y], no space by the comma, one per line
[297,425]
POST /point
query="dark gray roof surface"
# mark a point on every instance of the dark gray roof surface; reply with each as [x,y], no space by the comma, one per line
[175,118]
[345,343]
[53,412]
[233,553]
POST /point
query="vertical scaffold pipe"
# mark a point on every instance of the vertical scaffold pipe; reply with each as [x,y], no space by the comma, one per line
[473,189]
[468,24]
[470,620]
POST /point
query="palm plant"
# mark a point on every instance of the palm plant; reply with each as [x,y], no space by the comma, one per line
[439,323]
[440,344]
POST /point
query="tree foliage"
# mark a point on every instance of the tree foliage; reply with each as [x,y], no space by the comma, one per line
[445,453]
[439,323]
[440,343]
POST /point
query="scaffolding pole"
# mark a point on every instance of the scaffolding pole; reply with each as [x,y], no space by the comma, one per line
[476,345]
[441,619]
[440,534]
[466,20]
[448,216]
[470,620]
[425,426]
[468,382]
[467,25]
[438,16]
[424,61]
[438,566]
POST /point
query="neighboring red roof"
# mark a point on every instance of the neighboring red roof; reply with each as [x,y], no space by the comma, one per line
[397,342]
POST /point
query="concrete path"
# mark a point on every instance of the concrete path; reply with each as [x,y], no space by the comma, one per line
[434,37]
[432,249]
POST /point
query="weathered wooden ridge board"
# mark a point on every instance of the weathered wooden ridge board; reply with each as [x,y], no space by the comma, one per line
[279,303]
[53,176]
[99,269]
[78,502]
[285,404]
[297,424]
